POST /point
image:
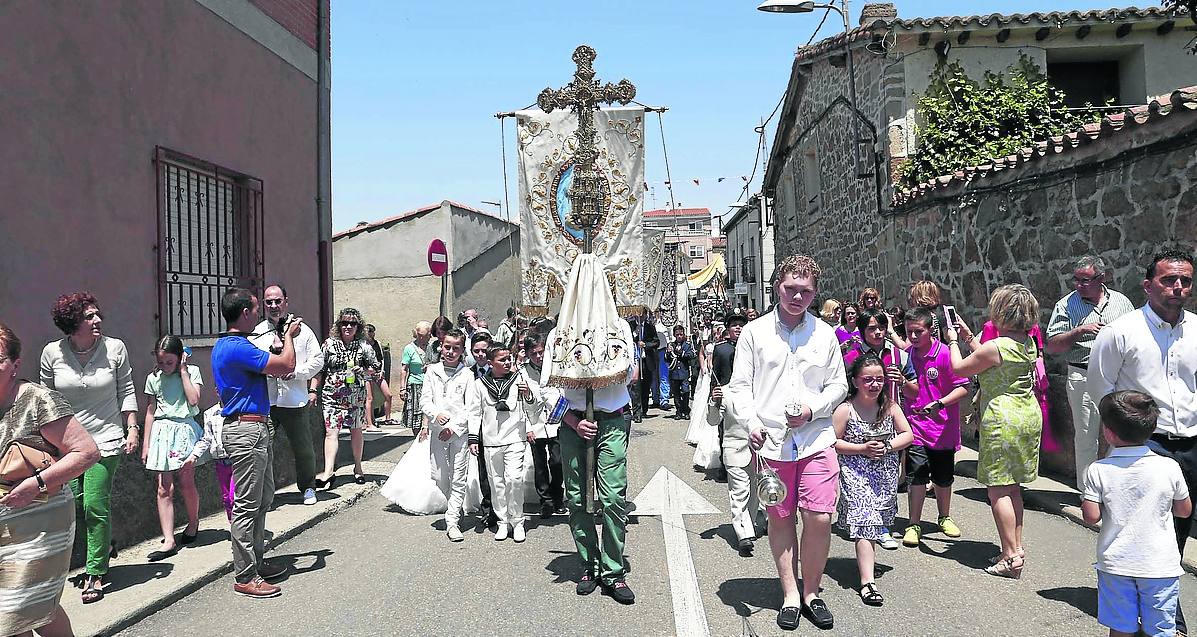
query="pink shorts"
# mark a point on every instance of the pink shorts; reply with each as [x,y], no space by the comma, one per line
[812,483]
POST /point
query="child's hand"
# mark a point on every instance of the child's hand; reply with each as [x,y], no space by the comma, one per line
[531,437]
[474,448]
[873,449]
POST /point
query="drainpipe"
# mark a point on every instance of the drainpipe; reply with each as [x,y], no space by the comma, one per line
[324,166]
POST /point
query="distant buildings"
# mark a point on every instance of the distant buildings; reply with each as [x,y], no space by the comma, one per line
[688,232]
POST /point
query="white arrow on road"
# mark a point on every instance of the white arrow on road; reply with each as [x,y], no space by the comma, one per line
[670,497]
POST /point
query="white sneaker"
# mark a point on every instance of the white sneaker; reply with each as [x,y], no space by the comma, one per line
[454,533]
[309,496]
[887,541]
[518,534]
[501,534]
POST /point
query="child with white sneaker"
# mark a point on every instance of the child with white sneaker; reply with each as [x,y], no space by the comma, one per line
[1135,493]
[498,405]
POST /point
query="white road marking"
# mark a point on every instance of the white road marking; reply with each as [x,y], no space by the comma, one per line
[669,496]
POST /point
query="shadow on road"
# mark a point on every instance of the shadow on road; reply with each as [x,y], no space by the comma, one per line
[842,571]
[724,531]
[128,575]
[751,595]
[1082,598]
[969,553]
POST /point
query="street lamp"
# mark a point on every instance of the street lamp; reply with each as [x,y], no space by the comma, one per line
[807,6]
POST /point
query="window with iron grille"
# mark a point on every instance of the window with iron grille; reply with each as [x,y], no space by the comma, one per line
[210,238]
[748,269]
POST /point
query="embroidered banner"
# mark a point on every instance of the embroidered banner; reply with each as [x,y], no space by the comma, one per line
[654,258]
[548,243]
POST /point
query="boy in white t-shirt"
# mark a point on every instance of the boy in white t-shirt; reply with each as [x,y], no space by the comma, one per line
[1135,493]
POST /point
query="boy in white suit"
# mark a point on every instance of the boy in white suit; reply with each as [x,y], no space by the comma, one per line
[443,401]
[498,405]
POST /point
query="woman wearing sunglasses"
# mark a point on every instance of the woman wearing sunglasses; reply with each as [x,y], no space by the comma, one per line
[350,367]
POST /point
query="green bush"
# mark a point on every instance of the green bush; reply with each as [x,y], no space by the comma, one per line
[966,123]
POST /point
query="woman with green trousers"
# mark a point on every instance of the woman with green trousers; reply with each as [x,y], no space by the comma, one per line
[92,371]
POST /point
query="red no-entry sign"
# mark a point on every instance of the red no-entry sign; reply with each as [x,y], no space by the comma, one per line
[438,258]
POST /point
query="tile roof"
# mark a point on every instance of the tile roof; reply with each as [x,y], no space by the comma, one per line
[993,21]
[362,227]
[1114,125]
[679,212]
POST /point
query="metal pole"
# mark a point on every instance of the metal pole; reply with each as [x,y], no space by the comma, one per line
[591,449]
[851,93]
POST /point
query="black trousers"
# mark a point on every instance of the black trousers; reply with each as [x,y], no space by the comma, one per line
[680,398]
[485,510]
[546,464]
[648,378]
[1184,452]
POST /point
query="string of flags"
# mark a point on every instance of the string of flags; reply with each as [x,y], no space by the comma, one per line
[697,181]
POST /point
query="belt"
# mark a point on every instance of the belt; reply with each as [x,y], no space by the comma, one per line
[598,413]
[247,418]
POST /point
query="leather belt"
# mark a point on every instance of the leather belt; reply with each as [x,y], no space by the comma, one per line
[247,418]
[599,413]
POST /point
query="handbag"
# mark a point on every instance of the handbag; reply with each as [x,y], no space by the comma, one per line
[25,458]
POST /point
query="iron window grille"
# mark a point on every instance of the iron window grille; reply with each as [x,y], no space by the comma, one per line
[748,269]
[210,238]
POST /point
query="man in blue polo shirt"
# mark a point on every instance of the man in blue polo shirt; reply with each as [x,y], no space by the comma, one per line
[240,370]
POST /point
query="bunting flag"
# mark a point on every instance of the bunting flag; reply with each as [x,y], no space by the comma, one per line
[549,245]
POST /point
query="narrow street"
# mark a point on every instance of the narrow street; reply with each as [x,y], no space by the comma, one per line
[371,570]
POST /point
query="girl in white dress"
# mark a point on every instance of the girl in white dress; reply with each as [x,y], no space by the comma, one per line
[708,455]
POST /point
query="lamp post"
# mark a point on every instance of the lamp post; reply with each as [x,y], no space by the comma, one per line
[807,6]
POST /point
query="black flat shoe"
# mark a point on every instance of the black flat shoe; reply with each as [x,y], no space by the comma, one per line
[330,482]
[818,613]
[619,591]
[185,539]
[359,478]
[787,619]
[587,584]
[158,556]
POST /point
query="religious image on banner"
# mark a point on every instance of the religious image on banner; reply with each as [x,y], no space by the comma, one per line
[654,258]
[548,243]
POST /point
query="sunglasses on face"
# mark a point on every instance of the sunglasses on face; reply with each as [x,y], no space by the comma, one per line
[273,302]
[92,315]
[1080,281]
[348,323]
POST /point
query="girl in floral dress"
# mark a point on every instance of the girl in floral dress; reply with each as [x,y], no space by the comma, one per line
[350,366]
[171,431]
[871,430]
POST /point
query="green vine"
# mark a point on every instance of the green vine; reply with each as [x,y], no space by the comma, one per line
[963,122]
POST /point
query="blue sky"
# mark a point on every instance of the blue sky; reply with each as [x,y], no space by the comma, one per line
[416,85]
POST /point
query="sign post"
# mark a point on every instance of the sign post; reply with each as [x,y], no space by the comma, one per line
[438,265]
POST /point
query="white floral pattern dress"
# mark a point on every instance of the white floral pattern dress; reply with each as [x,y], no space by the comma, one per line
[868,487]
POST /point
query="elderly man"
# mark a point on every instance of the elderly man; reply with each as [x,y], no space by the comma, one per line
[1154,350]
[787,379]
[1075,323]
[289,395]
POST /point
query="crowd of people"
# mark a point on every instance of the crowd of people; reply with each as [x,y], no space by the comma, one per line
[846,409]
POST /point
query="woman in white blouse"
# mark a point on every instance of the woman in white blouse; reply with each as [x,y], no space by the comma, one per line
[92,372]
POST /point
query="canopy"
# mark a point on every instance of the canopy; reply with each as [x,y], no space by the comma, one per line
[700,279]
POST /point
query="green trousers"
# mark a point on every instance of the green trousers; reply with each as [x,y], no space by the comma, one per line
[297,424]
[603,558]
[93,492]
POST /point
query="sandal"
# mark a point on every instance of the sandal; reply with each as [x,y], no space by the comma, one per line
[1018,551]
[870,595]
[94,591]
[1007,567]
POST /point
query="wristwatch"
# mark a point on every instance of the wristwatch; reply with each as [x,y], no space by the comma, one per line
[41,484]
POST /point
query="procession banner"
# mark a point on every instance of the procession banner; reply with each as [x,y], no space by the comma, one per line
[548,243]
[654,259]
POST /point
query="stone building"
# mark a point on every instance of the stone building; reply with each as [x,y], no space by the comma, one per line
[1120,188]
[381,268]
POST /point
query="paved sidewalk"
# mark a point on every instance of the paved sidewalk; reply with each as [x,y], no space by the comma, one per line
[138,588]
[1057,498]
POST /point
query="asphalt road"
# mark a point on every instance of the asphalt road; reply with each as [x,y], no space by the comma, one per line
[372,570]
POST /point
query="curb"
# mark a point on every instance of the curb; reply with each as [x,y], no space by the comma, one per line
[1040,501]
[219,570]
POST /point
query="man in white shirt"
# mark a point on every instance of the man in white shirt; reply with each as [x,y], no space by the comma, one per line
[609,431]
[289,395]
[1154,350]
[787,379]
[1074,325]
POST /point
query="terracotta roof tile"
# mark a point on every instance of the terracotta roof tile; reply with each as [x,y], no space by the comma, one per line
[1180,100]
[407,215]
[679,212]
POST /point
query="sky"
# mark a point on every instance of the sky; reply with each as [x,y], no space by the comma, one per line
[416,85]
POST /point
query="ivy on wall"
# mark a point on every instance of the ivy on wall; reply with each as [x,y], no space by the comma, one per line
[963,122]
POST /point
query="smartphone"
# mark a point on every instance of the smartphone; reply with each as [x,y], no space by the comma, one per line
[949,313]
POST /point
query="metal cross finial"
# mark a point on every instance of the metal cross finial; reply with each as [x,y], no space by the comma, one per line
[583,95]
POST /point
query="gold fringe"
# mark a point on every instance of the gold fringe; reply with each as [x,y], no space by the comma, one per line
[588,383]
[533,311]
[631,310]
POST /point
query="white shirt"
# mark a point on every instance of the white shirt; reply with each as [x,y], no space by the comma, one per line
[610,398]
[775,366]
[445,392]
[309,360]
[1136,489]
[1141,351]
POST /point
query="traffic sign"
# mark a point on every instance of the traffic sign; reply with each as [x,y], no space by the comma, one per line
[438,258]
